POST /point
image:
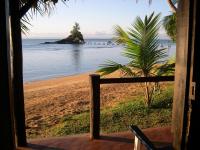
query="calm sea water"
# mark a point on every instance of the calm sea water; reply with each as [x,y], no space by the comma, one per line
[44,61]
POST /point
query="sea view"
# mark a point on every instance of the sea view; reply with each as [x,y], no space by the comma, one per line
[90,74]
[45,61]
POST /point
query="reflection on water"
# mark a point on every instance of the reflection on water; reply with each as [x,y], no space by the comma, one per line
[76,53]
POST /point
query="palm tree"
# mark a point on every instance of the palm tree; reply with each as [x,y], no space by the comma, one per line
[141,47]
[169,22]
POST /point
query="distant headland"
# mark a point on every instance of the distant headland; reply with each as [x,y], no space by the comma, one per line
[75,37]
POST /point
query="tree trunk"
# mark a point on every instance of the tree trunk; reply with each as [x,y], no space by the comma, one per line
[147,95]
[172,6]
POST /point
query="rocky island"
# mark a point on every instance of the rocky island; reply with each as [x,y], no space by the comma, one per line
[75,37]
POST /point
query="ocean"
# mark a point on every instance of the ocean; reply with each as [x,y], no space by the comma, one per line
[45,61]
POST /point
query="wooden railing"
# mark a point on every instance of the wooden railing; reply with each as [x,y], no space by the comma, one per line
[96,81]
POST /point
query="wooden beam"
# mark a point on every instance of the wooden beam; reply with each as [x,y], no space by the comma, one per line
[7,140]
[18,74]
[95,106]
[182,74]
[136,79]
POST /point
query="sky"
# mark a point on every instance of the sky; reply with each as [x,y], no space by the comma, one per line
[97,18]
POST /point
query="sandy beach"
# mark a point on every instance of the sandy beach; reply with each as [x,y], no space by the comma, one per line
[47,101]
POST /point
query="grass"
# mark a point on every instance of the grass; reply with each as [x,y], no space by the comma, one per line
[119,118]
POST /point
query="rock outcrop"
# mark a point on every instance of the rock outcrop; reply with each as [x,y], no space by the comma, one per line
[75,37]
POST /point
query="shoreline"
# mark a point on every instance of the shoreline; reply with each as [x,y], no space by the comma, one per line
[55,82]
[57,76]
[68,79]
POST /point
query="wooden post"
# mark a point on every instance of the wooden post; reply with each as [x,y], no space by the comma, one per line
[182,74]
[7,138]
[95,106]
[18,74]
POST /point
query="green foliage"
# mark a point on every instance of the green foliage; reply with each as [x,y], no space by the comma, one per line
[76,29]
[141,44]
[167,68]
[76,36]
[111,66]
[118,118]
[141,47]
[169,23]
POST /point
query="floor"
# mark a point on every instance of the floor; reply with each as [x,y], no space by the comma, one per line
[114,141]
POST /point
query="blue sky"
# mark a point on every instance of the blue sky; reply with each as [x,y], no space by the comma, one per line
[96,17]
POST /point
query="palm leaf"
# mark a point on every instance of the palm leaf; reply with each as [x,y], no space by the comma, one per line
[111,66]
[167,68]
[41,7]
[141,46]
[169,23]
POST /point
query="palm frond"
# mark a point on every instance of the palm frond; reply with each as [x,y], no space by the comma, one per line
[121,35]
[24,26]
[141,46]
[41,7]
[169,23]
[111,66]
[166,69]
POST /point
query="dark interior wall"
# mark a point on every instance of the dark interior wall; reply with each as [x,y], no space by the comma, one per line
[194,122]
